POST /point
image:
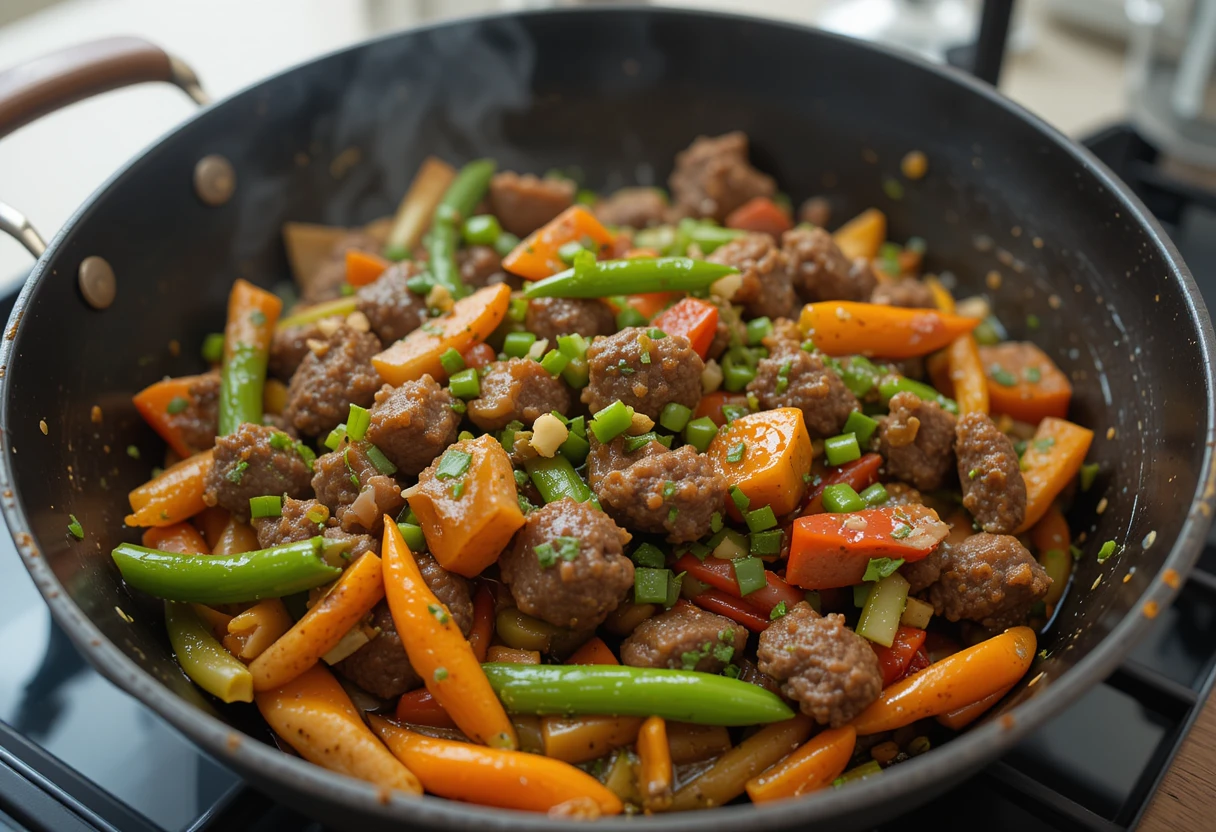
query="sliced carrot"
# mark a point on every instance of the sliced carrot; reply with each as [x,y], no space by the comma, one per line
[313,715]
[760,214]
[536,257]
[649,303]
[711,405]
[941,295]
[212,521]
[863,235]
[437,649]
[358,590]
[236,537]
[471,321]
[159,402]
[493,777]
[483,622]
[1023,382]
[767,455]
[695,319]
[1051,532]
[174,496]
[250,633]
[814,766]
[656,776]
[1050,461]
[593,651]
[845,328]
[363,267]
[419,707]
[860,474]
[833,550]
[180,537]
[961,679]
[499,653]
[960,718]
[966,369]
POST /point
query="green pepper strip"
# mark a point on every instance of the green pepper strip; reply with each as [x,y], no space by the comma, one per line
[204,659]
[556,478]
[707,236]
[684,695]
[241,387]
[318,311]
[606,278]
[891,385]
[457,205]
[229,579]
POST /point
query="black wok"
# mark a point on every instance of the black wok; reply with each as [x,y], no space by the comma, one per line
[615,93]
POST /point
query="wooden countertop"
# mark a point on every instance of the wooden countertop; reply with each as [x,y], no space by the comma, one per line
[1187,797]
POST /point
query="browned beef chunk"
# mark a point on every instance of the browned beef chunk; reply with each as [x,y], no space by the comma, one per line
[332,378]
[713,177]
[792,377]
[685,637]
[197,423]
[634,207]
[480,266]
[672,372]
[391,308]
[525,203]
[917,439]
[413,423]
[517,389]
[994,490]
[906,291]
[548,318]
[820,270]
[248,465]
[767,290]
[355,492]
[990,579]
[672,493]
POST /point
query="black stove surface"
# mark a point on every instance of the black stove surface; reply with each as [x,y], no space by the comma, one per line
[78,754]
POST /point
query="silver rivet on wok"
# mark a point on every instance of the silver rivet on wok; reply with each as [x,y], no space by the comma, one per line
[97,282]
[214,180]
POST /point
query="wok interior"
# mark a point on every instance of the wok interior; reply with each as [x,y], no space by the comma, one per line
[615,95]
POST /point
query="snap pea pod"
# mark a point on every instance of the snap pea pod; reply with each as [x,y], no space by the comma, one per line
[555,478]
[229,579]
[606,278]
[611,690]
[890,385]
[204,659]
[252,315]
[458,203]
[707,236]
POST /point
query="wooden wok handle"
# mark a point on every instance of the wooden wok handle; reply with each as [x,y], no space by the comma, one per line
[40,86]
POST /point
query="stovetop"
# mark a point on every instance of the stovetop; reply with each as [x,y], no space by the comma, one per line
[77,754]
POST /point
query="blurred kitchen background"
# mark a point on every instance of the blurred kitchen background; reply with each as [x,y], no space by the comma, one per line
[1080,64]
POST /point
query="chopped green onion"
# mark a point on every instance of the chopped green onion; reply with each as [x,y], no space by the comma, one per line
[237,472]
[452,361]
[74,528]
[715,522]
[176,405]
[382,463]
[729,544]
[1002,376]
[675,416]
[414,538]
[335,437]
[505,243]
[736,452]
[761,519]
[517,344]
[861,592]
[573,345]
[731,412]
[280,441]
[268,506]
[736,376]
[778,611]
[357,422]
[749,572]
[675,583]
[554,362]
[465,385]
[842,499]
[1108,549]
[898,384]
[656,334]
[213,348]
[766,543]
[575,448]
[650,585]
[875,495]
[841,449]
[741,500]
[636,443]
[612,421]
[879,568]
[1089,472]
[860,425]
[700,432]
[757,330]
[629,317]
[481,230]
[567,251]
[649,555]
[454,463]
[860,376]
[577,374]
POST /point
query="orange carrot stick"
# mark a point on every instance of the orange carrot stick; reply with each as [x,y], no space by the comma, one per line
[656,769]
[174,496]
[363,267]
[960,718]
[847,328]
[863,235]
[160,402]
[492,777]
[180,537]
[420,708]
[1023,382]
[1051,460]
[594,651]
[813,766]
[211,522]
[761,215]
[537,257]
[967,375]
[250,633]
[437,649]
[358,590]
[957,680]
[315,717]
[236,538]
[511,655]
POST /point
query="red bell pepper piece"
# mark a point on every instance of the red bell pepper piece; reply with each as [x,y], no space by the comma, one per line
[860,474]
[420,708]
[483,622]
[695,319]
[720,574]
[479,355]
[920,660]
[832,550]
[650,303]
[711,405]
[895,660]
[736,609]
[762,215]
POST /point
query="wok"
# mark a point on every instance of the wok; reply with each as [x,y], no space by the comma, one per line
[1010,207]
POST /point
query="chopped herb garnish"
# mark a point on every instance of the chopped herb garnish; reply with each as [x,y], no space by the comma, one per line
[257,317]
[545,555]
[354,476]
[454,463]
[1032,374]
[724,653]
[783,378]
[879,568]
[440,674]
[457,489]
[74,528]
[901,531]
[567,548]
[672,513]
[624,369]
[731,671]
[133,452]
[280,441]
[1045,444]
[973,473]
[715,522]
[731,412]
[1002,376]
[1032,321]
[440,614]
[669,490]
[237,472]
[1108,549]
[691,658]
[778,611]
[645,358]
[176,405]
[382,463]
[267,506]
[656,333]
[736,452]
[740,499]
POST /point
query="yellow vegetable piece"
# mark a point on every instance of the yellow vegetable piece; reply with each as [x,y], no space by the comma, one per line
[766,455]
[863,235]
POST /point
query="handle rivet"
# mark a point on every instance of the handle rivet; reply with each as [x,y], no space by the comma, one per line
[97,282]
[214,180]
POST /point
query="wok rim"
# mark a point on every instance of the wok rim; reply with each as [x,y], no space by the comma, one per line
[954,762]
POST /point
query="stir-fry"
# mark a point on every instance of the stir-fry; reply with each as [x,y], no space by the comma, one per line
[650,502]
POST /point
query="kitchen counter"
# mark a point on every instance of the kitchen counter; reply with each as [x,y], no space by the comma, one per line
[1186,798]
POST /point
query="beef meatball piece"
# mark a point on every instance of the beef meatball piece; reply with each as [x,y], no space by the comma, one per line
[298,520]
[685,637]
[712,177]
[634,207]
[330,276]
[413,423]
[517,389]
[247,465]
[603,458]
[767,289]
[353,489]
[831,671]
[917,440]
[792,377]
[480,266]
[923,573]
[289,346]
[672,374]
[906,291]
[672,493]
[332,378]
[567,565]
[197,422]
[525,203]
[990,579]
[819,269]
[381,667]
[548,318]
[994,490]
[902,494]
[391,308]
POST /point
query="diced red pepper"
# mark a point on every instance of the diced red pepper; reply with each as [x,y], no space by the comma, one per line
[860,474]
[762,215]
[483,622]
[895,660]
[720,574]
[711,405]
[832,550]
[695,319]
[420,708]
[652,303]
[479,355]
[919,662]
[736,609]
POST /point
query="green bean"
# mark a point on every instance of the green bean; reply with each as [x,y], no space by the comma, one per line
[605,278]
[556,478]
[890,385]
[458,203]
